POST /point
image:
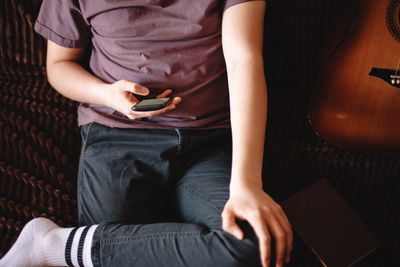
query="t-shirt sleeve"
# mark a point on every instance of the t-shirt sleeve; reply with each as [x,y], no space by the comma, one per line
[62,22]
[229,3]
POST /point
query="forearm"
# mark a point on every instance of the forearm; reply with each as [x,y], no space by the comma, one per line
[248,101]
[71,80]
[242,41]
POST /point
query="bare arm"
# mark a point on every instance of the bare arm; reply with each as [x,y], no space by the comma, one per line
[242,38]
[66,74]
[69,78]
[242,44]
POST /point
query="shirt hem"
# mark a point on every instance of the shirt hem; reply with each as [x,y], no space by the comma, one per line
[51,35]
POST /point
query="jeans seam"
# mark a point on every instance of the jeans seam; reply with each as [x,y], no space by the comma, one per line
[209,202]
[96,244]
[85,144]
[106,242]
[88,139]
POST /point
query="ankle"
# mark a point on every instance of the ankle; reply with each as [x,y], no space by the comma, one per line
[51,244]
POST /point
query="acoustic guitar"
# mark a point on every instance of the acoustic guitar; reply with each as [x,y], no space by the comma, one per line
[354,103]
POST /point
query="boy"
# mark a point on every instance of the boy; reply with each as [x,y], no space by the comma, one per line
[164,187]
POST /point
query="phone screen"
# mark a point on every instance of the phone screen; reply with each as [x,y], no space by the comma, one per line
[151,104]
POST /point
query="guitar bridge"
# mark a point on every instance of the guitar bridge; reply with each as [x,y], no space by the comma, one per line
[388,75]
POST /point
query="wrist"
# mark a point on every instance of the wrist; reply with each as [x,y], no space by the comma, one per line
[105,94]
[245,181]
[246,171]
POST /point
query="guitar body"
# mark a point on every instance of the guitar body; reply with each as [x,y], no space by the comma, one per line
[355,101]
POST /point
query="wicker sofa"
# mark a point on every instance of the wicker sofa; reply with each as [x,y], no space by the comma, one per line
[40,141]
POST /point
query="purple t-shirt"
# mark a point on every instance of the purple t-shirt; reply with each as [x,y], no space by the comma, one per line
[160,44]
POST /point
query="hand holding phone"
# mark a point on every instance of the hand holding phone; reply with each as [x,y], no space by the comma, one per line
[122,95]
[152,104]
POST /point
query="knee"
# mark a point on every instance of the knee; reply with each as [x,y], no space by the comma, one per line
[242,253]
[247,256]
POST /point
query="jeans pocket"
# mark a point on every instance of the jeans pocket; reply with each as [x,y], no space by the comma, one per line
[86,135]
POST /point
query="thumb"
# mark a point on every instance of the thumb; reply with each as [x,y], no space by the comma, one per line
[229,224]
[132,87]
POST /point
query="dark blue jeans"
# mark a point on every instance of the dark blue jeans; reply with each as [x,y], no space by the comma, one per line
[158,197]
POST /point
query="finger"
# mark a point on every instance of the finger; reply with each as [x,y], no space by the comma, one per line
[264,239]
[132,87]
[279,235]
[229,224]
[132,100]
[289,233]
[287,228]
[175,101]
[165,93]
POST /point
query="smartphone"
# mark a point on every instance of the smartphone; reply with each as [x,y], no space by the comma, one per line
[152,104]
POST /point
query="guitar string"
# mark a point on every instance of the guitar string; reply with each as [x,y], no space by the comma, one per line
[396,79]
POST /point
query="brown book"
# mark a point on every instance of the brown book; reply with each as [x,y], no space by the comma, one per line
[335,233]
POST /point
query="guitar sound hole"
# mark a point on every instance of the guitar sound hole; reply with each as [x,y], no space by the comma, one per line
[393,18]
[398,16]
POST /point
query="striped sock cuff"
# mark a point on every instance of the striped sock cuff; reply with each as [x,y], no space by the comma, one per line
[68,247]
[78,247]
[87,247]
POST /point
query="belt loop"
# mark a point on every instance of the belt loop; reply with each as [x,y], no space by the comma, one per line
[180,139]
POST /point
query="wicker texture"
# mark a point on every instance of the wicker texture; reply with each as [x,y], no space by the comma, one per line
[39,139]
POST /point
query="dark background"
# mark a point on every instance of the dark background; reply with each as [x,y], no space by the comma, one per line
[40,142]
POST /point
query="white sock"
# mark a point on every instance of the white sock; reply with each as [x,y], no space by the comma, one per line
[43,243]
[29,250]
